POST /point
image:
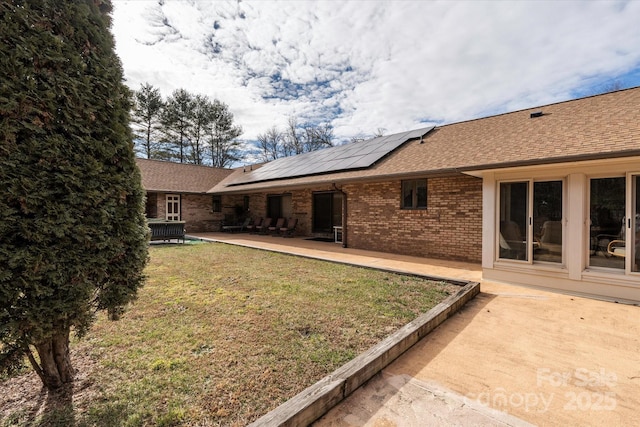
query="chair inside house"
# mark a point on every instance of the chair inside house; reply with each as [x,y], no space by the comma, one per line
[263,228]
[275,229]
[290,228]
[551,237]
[251,228]
[617,248]
[512,245]
[611,244]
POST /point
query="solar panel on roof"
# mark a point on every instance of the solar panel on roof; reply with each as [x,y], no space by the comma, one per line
[355,155]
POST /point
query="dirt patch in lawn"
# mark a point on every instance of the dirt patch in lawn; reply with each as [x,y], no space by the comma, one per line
[220,335]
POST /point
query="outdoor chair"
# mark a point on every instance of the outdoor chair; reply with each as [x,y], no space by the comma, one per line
[290,228]
[234,228]
[263,228]
[251,228]
[274,229]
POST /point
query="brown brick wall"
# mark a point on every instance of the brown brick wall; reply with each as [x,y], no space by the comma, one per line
[450,227]
[301,206]
[195,210]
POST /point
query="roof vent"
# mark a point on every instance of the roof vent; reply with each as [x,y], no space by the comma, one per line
[535,114]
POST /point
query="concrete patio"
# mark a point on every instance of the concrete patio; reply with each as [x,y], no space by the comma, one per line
[511,356]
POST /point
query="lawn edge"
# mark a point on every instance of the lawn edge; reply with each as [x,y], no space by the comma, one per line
[317,399]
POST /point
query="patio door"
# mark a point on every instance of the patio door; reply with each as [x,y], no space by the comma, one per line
[173,207]
[634,229]
[615,223]
[607,216]
[327,211]
[531,226]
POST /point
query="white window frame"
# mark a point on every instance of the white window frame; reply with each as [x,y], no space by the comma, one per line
[528,232]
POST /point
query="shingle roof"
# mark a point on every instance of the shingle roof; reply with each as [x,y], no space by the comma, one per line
[164,176]
[588,128]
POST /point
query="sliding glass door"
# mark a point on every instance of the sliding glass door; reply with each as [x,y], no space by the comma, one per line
[635,224]
[547,221]
[614,204]
[514,214]
[607,216]
[531,226]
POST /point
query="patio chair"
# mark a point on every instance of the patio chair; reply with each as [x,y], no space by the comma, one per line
[274,229]
[234,228]
[290,228]
[252,227]
[263,228]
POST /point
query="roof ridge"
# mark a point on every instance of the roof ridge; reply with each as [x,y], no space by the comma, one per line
[566,101]
[183,164]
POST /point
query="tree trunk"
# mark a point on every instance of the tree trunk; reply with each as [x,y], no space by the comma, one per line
[55,368]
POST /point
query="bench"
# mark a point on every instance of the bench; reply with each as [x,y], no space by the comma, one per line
[167,230]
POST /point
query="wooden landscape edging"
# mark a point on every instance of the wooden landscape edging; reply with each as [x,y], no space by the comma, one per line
[317,399]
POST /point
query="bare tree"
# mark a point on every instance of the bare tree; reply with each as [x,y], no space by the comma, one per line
[293,138]
[270,144]
[376,134]
[318,137]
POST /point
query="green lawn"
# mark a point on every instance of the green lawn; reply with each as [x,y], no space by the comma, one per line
[221,334]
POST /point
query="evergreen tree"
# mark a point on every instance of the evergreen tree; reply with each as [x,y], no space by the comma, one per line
[146,113]
[201,118]
[73,237]
[223,145]
[177,122]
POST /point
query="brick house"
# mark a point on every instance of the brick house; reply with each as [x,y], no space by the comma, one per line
[179,192]
[536,196]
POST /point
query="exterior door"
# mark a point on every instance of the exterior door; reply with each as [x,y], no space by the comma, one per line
[531,225]
[607,221]
[327,212]
[173,207]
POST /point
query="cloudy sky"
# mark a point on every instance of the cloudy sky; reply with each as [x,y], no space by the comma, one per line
[368,65]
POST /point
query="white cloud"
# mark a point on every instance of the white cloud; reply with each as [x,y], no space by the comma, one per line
[365,65]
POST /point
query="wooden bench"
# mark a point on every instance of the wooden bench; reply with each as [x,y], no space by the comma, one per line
[167,230]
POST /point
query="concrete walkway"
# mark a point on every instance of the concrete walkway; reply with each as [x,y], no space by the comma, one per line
[512,356]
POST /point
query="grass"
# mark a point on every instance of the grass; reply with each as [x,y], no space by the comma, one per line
[221,334]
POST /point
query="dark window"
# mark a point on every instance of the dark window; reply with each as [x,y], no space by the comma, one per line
[414,194]
[279,206]
[327,211]
[151,207]
[216,205]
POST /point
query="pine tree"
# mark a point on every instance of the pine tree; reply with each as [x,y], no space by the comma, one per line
[222,133]
[73,237]
[146,114]
[177,122]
